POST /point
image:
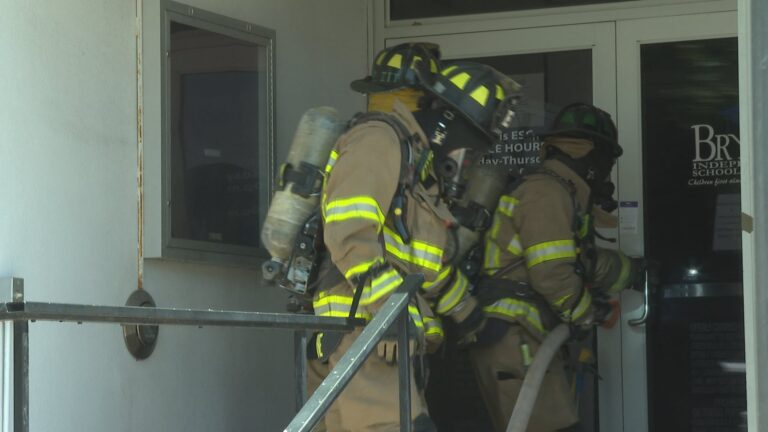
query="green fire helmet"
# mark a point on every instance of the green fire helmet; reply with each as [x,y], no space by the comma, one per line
[400,66]
[581,120]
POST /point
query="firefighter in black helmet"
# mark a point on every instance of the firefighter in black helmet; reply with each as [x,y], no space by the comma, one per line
[385,216]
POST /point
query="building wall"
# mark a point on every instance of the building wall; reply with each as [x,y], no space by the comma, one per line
[68,216]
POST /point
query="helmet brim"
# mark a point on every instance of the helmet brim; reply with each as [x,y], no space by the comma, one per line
[430,88]
[581,133]
[367,85]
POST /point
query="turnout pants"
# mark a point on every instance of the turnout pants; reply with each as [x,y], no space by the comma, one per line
[500,371]
[371,400]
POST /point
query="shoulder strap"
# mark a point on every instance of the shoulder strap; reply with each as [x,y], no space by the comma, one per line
[405,137]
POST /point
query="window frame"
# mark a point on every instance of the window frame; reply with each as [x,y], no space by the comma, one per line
[198,250]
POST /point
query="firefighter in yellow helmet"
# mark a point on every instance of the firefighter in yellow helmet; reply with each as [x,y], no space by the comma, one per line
[541,266]
[385,216]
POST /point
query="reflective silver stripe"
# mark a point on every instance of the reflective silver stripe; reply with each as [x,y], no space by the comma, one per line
[455,293]
[433,326]
[331,161]
[507,205]
[492,256]
[514,309]
[581,308]
[421,254]
[548,251]
[344,209]
[441,277]
[381,286]
[515,247]
[337,306]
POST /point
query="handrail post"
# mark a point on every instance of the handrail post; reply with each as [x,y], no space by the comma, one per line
[12,291]
[404,371]
[317,405]
[300,360]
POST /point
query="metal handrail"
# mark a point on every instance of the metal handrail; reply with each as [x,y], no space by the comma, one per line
[18,312]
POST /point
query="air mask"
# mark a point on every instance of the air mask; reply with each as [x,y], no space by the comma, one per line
[455,144]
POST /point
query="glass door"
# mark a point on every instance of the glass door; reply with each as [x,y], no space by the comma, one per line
[556,66]
[680,207]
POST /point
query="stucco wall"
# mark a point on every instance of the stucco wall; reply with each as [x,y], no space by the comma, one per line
[68,216]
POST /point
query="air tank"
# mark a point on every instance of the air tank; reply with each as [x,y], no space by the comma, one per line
[485,185]
[291,206]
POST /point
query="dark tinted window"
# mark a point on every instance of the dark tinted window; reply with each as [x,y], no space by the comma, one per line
[216,99]
[412,9]
[691,153]
[550,81]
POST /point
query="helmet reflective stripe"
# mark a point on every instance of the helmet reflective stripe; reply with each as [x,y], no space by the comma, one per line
[400,66]
[396,61]
[480,95]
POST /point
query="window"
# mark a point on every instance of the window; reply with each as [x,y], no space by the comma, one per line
[414,9]
[217,134]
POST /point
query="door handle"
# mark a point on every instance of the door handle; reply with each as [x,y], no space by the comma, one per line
[646,306]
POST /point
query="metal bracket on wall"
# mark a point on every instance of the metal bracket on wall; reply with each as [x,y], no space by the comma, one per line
[140,339]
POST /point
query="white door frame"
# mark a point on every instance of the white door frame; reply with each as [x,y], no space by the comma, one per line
[630,35]
[600,38]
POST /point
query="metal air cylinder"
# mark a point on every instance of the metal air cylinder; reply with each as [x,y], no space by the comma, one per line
[315,136]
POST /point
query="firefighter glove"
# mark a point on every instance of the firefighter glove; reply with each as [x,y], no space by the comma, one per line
[387,349]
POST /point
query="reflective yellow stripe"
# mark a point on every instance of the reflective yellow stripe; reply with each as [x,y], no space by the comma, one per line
[381,286]
[454,294]
[480,94]
[396,61]
[432,66]
[621,281]
[362,267]
[380,58]
[319,344]
[415,315]
[561,301]
[337,306]
[433,326]
[549,251]
[493,233]
[514,309]
[416,252]
[361,207]
[584,303]
[331,161]
[448,70]
[585,224]
[427,286]
[499,92]
[574,314]
[492,258]
[515,247]
[460,80]
[507,205]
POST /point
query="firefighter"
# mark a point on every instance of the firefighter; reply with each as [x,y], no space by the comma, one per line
[541,266]
[385,215]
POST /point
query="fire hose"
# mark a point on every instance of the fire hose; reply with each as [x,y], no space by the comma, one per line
[534,377]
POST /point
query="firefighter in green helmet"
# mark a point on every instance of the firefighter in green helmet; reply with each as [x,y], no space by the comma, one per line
[541,266]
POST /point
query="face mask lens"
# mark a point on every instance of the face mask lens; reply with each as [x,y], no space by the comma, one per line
[454,170]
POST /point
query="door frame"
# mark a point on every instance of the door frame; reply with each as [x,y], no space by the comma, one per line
[630,35]
[600,38]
